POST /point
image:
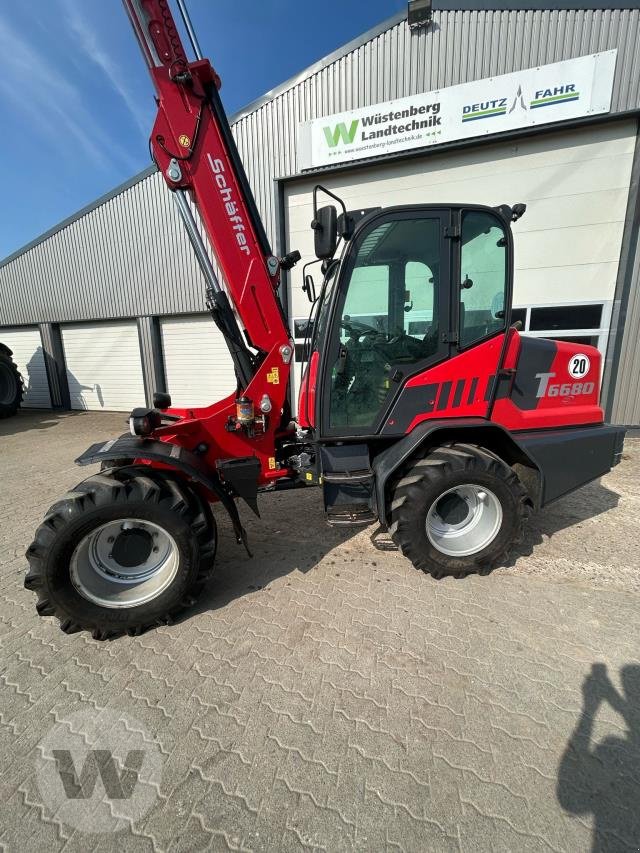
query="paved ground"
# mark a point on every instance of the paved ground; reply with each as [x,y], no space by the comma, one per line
[324,695]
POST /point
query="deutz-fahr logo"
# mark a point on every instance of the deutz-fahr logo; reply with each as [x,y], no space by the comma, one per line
[546,96]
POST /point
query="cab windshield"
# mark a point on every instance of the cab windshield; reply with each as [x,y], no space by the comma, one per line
[319,323]
[388,316]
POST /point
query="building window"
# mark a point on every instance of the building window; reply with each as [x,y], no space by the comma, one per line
[565,317]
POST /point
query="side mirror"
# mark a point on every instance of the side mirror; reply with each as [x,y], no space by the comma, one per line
[309,287]
[325,226]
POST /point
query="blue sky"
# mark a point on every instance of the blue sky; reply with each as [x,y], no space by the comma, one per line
[76,105]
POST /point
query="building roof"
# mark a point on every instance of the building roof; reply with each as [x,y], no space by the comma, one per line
[339,53]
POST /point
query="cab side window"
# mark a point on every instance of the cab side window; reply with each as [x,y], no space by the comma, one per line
[367,300]
[483,270]
[419,316]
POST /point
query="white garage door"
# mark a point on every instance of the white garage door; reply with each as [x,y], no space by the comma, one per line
[197,364]
[29,356]
[103,363]
[575,185]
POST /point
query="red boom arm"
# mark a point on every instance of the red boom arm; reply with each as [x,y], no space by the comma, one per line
[193,148]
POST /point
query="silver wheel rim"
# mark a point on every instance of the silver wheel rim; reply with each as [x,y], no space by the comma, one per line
[124,563]
[464,520]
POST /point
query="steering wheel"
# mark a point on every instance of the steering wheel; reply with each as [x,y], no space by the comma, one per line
[397,338]
[358,330]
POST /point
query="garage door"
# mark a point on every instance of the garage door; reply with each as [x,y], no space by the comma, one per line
[198,367]
[567,246]
[29,356]
[103,364]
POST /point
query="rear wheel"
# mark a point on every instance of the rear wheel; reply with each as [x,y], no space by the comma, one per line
[11,388]
[458,510]
[125,550]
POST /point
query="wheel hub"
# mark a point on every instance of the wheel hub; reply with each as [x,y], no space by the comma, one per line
[464,520]
[124,563]
[132,547]
[452,509]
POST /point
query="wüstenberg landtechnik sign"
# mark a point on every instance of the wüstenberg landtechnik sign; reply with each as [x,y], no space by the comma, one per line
[564,90]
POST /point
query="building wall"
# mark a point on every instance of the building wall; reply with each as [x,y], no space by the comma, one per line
[567,245]
[621,388]
[128,255]
[458,47]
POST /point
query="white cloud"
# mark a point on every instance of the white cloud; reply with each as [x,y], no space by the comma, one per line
[88,40]
[50,100]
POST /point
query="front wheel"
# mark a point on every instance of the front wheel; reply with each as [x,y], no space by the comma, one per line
[458,510]
[125,550]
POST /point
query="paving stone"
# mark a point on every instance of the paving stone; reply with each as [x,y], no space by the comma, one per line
[326,696]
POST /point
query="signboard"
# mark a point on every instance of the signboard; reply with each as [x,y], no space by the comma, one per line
[550,93]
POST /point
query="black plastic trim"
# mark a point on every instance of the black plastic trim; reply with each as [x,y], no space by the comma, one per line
[570,458]
[564,459]
[242,473]
[183,461]
[387,462]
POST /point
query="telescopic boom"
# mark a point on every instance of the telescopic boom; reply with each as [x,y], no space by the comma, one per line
[192,145]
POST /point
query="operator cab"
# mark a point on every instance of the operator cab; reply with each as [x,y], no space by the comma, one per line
[414,286]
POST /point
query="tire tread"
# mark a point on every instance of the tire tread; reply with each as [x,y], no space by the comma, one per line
[434,466]
[133,484]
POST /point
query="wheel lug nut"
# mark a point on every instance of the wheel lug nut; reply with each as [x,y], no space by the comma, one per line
[482,496]
[156,549]
[110,539]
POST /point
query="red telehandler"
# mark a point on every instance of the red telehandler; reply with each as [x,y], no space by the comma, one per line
[421,406]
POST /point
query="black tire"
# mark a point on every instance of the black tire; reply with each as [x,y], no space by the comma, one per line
[138,493]
[425,480]
[11,386]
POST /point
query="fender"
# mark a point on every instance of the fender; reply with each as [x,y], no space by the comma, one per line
[561,459]
[474,430]
[177,458]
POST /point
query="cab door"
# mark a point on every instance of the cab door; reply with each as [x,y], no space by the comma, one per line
[464,385]
[389,318]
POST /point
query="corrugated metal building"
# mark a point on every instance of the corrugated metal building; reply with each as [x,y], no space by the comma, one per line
[109,305]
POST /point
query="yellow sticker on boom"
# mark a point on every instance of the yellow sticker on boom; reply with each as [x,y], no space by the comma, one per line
[273,378]
[184,140]
[272,463]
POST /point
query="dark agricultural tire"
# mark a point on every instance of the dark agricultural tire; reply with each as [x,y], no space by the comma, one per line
[133,493]
[11,385]
[426,479]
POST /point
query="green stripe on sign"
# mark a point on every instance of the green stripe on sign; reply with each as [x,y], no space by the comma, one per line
[484,112]
[556,98]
